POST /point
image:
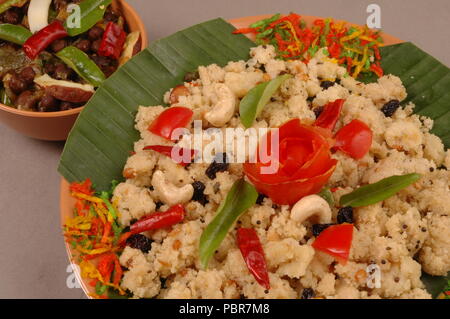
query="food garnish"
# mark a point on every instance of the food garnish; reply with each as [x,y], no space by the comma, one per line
[91,12]
[172,216]
[169,120]
[327,194]
[112,41]
[305,163]
[354,139]
[355,47]
[241,197]
[43,38]
[80,62]
[380,191]
[330,115]
[14,33]
[253,253]
[94,233]
[255,100]
[336,241]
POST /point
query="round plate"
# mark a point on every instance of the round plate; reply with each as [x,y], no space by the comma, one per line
[67,202]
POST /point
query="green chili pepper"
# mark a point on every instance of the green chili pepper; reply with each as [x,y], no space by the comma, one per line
[255,100]
[374,193]
[91,12]
[82,64]
[100,289]
[241,197]
[265,22]
[14,33]
[8,4]
[105,198]
[4,98]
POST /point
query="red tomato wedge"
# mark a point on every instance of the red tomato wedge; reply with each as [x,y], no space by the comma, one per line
[170,120]
[253,253]
[336,241]
[354,139]
[330,115]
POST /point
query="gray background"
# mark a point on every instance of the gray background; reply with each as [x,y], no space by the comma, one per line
[33,262]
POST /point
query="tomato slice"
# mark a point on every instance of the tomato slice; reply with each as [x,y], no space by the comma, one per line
[336,241]
[354,139]
[330,115]
[170,120]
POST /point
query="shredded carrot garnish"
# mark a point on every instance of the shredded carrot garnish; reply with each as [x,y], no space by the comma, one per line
[95,234]
[355,48]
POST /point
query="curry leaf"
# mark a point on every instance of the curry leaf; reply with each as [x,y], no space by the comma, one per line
[374,193]
[241,197]
[255,100]
[328,196]
[91,12]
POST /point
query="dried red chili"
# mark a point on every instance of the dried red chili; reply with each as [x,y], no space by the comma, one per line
[43,38]
[253,254]
[172,216]
[112,42]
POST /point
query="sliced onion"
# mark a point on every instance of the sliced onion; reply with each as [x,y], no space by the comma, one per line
[38,14]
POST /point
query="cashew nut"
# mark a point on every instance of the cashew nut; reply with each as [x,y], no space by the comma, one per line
[224,109]
[309,206]
[168,193]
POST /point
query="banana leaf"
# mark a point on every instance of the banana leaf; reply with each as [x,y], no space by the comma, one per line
[427,82]
[103,136]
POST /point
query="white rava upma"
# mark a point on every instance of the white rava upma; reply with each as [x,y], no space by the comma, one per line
[404,235]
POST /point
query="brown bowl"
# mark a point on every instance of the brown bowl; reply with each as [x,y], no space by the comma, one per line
[67,202]
[55,126]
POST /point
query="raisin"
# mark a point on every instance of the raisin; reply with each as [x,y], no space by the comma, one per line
[318,228]
[390,108]
[163,282]
[260,199]
[219,164]
[191,76]
[158,205]
[139,241]
[327,84]
[199,195]
[308,293]
[345,215]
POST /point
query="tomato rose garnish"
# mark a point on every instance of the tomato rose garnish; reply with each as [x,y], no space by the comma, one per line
[304,163]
